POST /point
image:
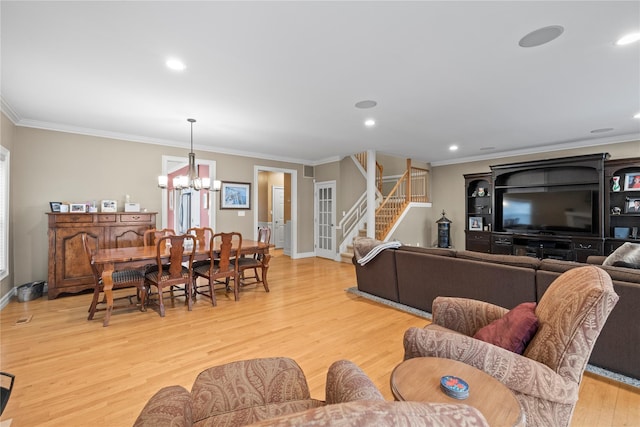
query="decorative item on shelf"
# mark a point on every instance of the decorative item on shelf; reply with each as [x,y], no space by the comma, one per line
[132,207]
[475,193]
[444,229]
[632,206]
[632,181]
[109,206]
[481,192]
[77,207]
[615,186]
[55,206]
[616,210]
[64,208]
[621,232]
[191,180]
[475,223]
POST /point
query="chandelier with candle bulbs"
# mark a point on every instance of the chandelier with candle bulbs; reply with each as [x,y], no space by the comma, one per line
[191,180]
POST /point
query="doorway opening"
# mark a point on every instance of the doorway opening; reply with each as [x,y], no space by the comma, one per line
[188,208]
[275,198]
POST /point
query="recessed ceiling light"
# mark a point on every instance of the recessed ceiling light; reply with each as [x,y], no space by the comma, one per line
[602,130]
[541,36]
[366,104]
[175,64]
[637,116]
[453,148]
[369,123]
[628,39]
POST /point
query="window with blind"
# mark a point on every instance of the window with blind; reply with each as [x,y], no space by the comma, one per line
[4,212]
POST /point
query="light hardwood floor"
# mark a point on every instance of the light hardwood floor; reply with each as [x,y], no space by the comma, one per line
[73,372]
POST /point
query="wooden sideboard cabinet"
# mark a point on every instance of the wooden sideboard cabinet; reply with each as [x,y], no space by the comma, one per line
[69,271]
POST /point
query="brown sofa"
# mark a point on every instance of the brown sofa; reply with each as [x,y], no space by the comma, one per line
[422,274]
[274,392]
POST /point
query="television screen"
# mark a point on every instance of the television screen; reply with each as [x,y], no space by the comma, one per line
[551,211]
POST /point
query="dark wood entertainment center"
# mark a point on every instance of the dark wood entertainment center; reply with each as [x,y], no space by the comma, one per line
[598,232]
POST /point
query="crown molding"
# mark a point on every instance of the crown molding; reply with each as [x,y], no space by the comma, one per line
[543,149]
[9,111]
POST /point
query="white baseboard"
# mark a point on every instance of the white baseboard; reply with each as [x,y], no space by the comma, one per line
[5,299]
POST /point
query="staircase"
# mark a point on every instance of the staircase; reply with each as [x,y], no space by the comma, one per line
[411,187]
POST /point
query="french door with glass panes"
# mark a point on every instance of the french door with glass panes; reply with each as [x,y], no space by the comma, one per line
[325,217]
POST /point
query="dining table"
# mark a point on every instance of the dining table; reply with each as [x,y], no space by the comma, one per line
[110,260]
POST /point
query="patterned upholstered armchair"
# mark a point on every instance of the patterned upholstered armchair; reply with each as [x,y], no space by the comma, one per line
[546,378]
[274,392]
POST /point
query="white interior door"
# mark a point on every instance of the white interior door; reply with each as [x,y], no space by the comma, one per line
[325,214]
[277,238]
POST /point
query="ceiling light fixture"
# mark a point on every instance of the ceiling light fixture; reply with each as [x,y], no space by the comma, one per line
[192,180]
[175,64]
[637,116]
[366,104]
[453,147]
[628,39]
[369,123]
[541,36]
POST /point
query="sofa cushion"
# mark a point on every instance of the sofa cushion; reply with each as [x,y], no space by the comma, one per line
[558,266]
[514,330]
[513,260]
[381,413]
[628,253]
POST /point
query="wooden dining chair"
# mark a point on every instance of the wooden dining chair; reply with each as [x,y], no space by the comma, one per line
[221,265]
[255,262]
[203,235]
[172,273]
[152,235]
[121,279]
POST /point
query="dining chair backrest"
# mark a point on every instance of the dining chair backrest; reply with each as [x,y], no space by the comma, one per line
[152,235]
[264,235]
[223,246]
[175,245]
[88,252]
[203,235]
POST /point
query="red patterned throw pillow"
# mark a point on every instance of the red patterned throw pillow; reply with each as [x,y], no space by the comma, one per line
[514,330]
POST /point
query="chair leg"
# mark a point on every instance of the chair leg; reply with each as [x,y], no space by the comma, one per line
[188,290]
[236,286]
[161,301]
[94,303]
[142,296]
[212,291]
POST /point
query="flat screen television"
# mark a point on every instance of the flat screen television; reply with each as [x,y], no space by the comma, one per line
[553,212]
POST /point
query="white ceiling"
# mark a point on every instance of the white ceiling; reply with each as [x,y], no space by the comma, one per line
[280,79]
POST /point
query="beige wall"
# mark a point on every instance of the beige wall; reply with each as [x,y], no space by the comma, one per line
[448,191]
[7,138]
[55,166]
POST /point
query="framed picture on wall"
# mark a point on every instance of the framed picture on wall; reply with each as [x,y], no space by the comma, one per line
[475,223]
[235,195]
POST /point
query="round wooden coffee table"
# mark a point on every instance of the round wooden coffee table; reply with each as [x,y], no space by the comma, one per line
[418,379]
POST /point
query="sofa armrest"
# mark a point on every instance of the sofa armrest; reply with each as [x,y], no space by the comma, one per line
[518,373]
[596,259]
[465,315]
[170,406]
[346,382]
